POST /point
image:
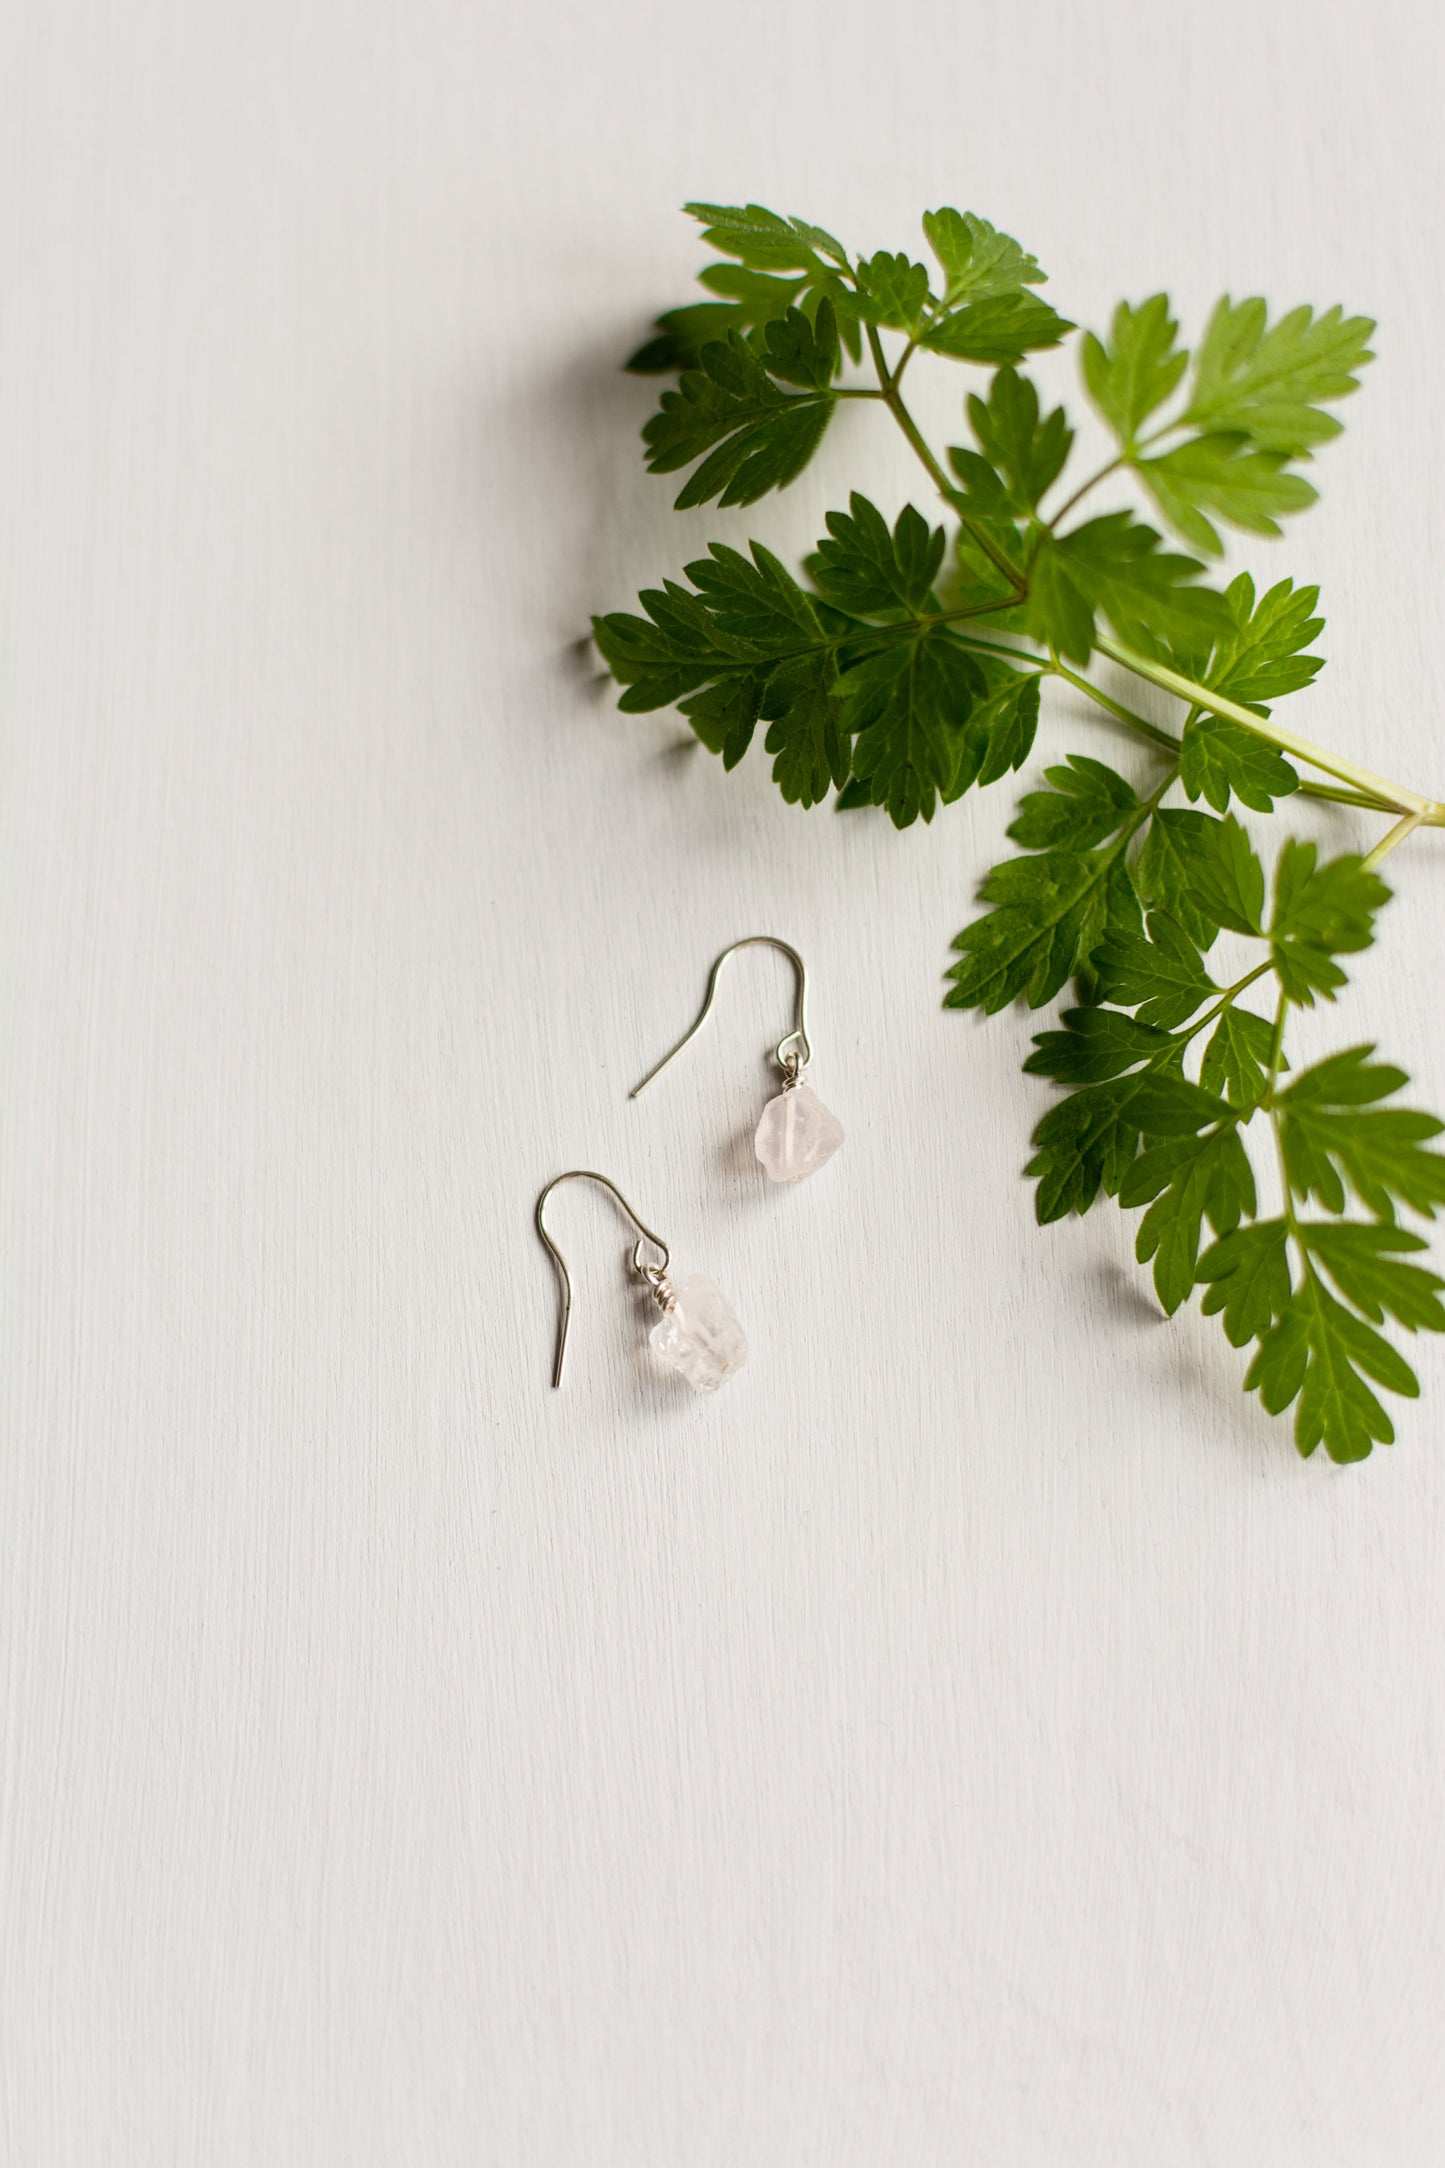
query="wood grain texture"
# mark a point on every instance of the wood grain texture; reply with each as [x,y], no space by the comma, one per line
[974,1736]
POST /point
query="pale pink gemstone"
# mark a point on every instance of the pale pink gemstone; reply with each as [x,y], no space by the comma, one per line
[797,1135]
[700,1336]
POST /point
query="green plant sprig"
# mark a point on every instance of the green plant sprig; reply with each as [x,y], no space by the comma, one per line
[907,668]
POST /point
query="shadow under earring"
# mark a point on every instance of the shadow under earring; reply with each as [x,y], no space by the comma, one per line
[697,1332]
[797,1134]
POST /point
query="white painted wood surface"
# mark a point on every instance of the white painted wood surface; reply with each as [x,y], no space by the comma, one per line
[974,1737]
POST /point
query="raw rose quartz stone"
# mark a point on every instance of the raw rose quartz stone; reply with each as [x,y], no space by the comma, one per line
[797,1135]
[700,1336]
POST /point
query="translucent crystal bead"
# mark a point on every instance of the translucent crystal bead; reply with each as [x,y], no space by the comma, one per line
[700,1336]
[797,1135]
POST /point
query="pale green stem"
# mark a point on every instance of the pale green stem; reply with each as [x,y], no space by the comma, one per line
[1366,789]
[1402,828]
[1395,795]
[1334,793]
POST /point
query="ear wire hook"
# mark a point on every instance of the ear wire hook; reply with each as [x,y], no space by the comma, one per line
[793,1051]
[653,1274]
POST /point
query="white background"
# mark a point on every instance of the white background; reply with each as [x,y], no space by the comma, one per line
[973,1737]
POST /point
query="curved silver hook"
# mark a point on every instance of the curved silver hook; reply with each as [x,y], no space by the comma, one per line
[793,1051]
[585,1174]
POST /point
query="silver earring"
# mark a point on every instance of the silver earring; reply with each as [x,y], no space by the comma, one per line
[797,1135]
[697,1332]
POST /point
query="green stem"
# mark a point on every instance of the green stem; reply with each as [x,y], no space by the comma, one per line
[1339,796]
[940,481]
[936,474]
[1014,654]
[1396,797]
[1084,487]
[1228,998]
[1404,827]
[1276,1052]
[1166,429]
[979,609]
[875,348]
[1361,786]
[1150,805]
[903,360]
[1336,794]
[1116,708]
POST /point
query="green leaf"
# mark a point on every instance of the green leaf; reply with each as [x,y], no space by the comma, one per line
[1095,1044]
[757,436]
[893,292]
[1000,732]
[724,714]
[1020,455]
[1259,658]
[1218,757]
[1247,1273]
[763,240]
[1347,1079]
[785,262]
[1225,878]
[1001,329]
[1333,1131]
[978,262]
[1223,473]
[1087,803]
[1255,658]
[1269,381]
[748,643]
[749,298]
[1138,369]
[1113,909]
[1089,1140]
[908,705]
[1115,564]
[1316,1353]
[1237,1058]
[755,602]
[669,652]
[799,349]
[1170,850]
[977,579]
[985,494]
[1364,1263]
[1188,1178]
[1163,978]
[1368,1348]
[1282,1358]
[757,296]
[1029,942]
[1050,912]
[681,334]
[1062,600]
[805,737]
[864,569]
[1320,912]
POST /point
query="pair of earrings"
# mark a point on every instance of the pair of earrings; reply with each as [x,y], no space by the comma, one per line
[698,1333]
